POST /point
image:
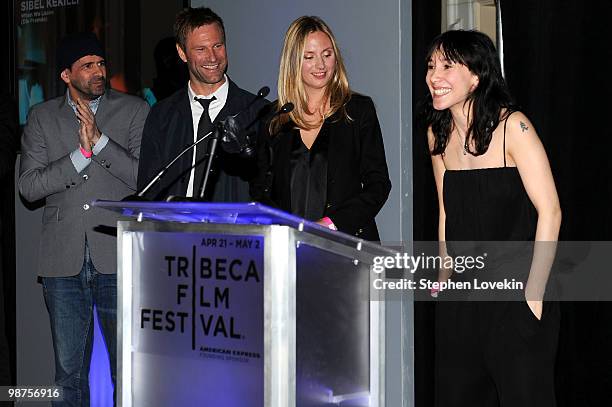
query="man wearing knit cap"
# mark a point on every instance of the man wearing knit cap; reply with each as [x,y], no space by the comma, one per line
[76,148]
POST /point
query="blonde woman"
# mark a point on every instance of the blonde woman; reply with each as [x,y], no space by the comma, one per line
[324,161]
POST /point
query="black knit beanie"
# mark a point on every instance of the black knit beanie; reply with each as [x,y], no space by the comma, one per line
[76,46]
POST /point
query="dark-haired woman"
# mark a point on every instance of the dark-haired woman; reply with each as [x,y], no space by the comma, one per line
[494,183]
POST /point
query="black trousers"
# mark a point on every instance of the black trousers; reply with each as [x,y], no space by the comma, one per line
[495,354]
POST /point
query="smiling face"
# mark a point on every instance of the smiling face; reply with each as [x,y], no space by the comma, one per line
[86,78]
[450,83]
[206,58]
[319,61]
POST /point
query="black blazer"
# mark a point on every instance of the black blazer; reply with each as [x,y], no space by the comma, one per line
[169,129]
[357,176]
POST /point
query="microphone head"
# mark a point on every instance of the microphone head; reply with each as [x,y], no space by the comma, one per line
[263,92]
[230,135]
[286,108]
[234,139]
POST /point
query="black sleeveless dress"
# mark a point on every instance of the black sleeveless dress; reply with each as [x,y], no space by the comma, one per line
[492,353]
[487,204]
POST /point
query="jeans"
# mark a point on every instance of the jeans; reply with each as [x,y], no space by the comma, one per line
[70,302]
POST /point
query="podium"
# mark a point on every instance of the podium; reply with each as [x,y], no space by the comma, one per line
[244,305]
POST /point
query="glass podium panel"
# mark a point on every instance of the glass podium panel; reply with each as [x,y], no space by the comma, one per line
[241,304]
[333,330]
[197,319]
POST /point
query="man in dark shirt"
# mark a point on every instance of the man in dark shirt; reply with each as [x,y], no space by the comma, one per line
[190,113]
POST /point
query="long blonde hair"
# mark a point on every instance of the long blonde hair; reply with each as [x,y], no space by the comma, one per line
[290,85]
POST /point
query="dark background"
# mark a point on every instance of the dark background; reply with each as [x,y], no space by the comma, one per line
[8,145]
[557,64]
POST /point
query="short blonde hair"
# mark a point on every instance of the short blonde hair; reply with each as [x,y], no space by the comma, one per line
[290,85]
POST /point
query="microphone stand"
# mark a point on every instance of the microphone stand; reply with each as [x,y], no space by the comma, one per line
[140,195]
[211,156]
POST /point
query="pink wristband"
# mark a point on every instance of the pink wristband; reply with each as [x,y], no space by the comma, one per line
[328,222]
[434,292]
[86,154]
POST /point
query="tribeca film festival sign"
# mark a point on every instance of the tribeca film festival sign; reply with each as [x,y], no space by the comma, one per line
[200,296]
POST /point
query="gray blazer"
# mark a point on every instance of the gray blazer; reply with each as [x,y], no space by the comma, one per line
[47,172]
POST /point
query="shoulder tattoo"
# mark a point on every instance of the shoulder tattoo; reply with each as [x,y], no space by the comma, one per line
[524,127]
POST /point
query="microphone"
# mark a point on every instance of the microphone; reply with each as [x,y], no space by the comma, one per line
[236,141]
[286,108]
[263,92]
